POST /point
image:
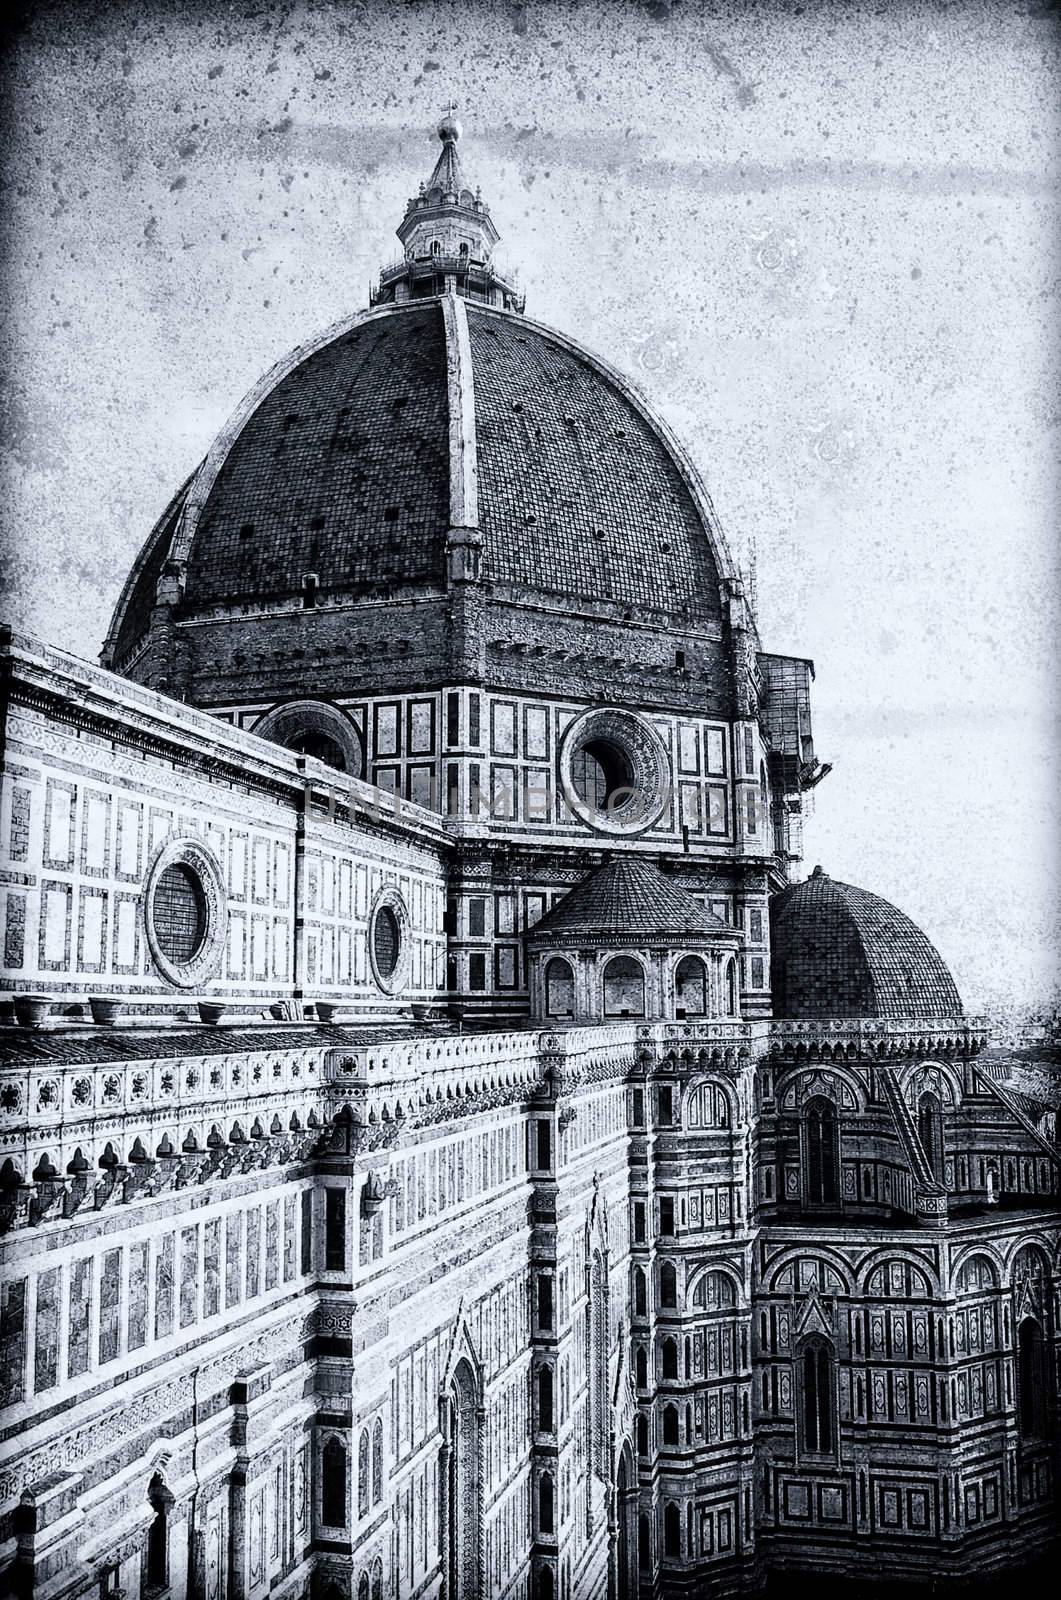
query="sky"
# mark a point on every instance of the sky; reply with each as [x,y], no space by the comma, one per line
[823,239]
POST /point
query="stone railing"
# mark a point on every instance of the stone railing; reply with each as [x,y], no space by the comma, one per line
[69,1113]
[874,1038]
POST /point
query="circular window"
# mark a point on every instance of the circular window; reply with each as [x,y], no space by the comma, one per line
[389,944]
[613,770]
[385,941]
[185,913]
[180,913]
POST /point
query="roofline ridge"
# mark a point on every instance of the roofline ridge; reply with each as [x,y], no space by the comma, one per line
[140,561]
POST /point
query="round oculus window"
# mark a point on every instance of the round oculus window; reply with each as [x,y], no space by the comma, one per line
[180,913]
[614,771]
[389,945]
[385,941]
[185,913]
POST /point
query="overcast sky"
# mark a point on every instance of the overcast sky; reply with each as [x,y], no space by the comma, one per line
[822,239]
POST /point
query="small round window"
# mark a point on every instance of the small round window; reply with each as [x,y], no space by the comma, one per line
[385,941]
[185,913]
[613,770]
[180,913]
[388,940]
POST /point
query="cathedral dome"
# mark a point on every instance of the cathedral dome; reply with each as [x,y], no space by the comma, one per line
[346,469]
[840,952]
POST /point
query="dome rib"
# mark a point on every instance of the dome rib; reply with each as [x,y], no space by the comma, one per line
[838,951]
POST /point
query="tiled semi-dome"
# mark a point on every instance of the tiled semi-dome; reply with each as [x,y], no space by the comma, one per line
[840,952]
[350,463]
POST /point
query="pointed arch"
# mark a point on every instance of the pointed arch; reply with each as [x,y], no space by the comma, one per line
[461,1468]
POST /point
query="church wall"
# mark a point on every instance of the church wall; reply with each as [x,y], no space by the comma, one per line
[96,786]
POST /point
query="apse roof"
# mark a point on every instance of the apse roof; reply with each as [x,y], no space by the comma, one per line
[838,951]
[630,898]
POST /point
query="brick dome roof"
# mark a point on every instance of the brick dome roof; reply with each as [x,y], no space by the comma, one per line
[344,463]
[840,952]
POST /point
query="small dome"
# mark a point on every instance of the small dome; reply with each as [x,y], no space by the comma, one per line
[840,952]
[627,900]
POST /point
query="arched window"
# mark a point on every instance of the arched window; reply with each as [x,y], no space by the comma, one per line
[462,1512]
[670,1359]
[816,1397]
[731,991]
[672,1530]
[1031,1379]
[156,1573]
[690,987]
[545,1589]
[930,1130]
[640,1297]
[642,1435]
[315,728]
[597,1366]
[641,1367]
[624,988]
[668,1286]
[333,1483]
[822,1151]
[377,1462]
[644,1543]
[363,1470]
[559,989]
[362,1587]
[670,1424]
[545,1399]
[436,248]
[545,1503]
[377,1580]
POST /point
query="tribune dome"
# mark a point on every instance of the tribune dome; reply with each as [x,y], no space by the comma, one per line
[840,952]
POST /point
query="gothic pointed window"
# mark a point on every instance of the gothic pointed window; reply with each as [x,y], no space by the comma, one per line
[930,1131]
[816,1397]
[545,1503]
[462,1519]
[1031,1379]
[156,1564]
[641,1367]
[362,1474]
[545,1399]
[670,1424]
[670,1359]
[672,1529]
[668,1286]
[822,1151]
[377,1462]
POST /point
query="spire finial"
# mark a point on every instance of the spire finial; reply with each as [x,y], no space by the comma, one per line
[449,129]
[448,237]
